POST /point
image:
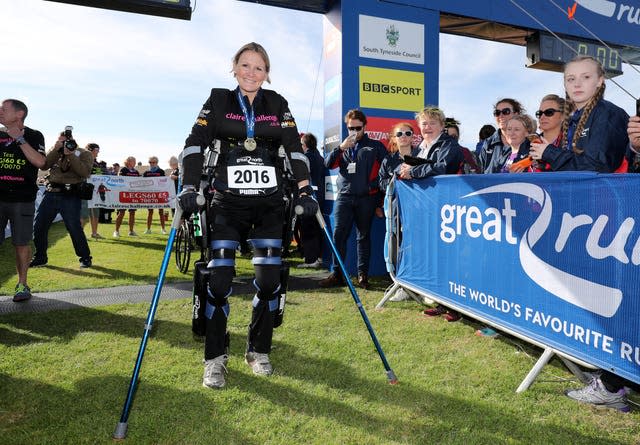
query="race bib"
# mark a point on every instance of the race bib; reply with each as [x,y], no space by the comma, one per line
[251,177]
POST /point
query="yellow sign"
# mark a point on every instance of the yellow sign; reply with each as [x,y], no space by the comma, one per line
[391,89]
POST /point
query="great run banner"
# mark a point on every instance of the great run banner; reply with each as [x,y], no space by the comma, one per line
[554,257]
[128,192]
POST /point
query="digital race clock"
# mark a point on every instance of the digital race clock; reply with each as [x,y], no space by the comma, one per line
[547,52]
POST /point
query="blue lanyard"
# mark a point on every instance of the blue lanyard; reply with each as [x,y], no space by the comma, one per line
[353,151]
[249,117]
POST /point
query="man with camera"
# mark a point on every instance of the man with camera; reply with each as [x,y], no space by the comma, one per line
[69,167]
[21,154]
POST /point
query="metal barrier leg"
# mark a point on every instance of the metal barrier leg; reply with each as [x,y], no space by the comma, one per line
[542,361]
[575,370]
[388,294]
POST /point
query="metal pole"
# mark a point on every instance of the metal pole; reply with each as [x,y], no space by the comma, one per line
[121,428]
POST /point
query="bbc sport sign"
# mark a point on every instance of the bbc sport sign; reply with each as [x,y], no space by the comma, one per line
[554,257]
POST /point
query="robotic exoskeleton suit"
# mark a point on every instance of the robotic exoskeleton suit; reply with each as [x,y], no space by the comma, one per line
[245,186]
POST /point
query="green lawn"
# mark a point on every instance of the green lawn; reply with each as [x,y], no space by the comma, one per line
[64,374]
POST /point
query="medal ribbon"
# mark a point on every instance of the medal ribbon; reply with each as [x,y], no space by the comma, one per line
[249,117]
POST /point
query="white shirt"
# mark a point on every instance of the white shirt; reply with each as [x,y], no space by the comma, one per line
[425,147]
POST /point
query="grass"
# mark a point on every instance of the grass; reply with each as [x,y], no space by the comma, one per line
[64,376]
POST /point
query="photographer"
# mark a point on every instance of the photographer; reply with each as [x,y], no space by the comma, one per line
[69,166]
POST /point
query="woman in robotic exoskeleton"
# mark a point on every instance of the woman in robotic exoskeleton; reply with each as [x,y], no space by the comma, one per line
[251,125]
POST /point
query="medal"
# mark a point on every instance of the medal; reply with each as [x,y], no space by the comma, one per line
[250,144]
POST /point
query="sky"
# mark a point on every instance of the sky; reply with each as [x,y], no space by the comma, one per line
[135,83]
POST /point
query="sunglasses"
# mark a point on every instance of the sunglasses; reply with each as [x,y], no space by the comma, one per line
[407,133]
[548,112]
[354,128]
[504,111]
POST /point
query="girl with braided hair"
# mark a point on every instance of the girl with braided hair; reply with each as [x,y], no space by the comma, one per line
[594,138]
[593,134]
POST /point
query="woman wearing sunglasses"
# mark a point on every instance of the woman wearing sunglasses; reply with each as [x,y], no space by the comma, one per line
[504,110]
[550,116]
[400,145]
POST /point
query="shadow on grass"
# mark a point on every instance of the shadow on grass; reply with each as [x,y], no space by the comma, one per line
[62,326]
[476,421]
[8,259]
[104,272]
[89,412]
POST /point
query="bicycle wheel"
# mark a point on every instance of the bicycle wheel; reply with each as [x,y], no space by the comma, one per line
[184,245]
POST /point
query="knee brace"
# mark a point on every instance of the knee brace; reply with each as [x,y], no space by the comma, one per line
[267,262]
[222,264]
[282,294]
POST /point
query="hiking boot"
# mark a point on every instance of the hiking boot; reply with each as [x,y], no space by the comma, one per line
[23,293]
[435,311]
[214,371]
[259,363]
[85,262]
[363,280]
[332,280]
[116,234]
[596,394]
[37,262]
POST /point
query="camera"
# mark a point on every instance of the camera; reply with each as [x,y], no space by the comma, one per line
[70,144]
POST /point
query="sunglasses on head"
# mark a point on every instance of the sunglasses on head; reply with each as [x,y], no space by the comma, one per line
[548,112]
[404,133]
[354,128]
[505,111]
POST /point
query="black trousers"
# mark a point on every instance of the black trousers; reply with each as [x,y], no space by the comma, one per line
[262,218]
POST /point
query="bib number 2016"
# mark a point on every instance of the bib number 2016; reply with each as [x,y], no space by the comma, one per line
[252,177]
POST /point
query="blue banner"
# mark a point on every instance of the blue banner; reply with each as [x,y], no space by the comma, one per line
[553,257]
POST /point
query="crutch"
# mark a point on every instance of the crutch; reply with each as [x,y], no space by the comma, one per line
[390,374]
[121,428]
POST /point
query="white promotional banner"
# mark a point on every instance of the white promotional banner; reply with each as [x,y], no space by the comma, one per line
[130,192]
[395,40]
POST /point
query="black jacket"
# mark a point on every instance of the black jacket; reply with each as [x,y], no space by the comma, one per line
[604,142]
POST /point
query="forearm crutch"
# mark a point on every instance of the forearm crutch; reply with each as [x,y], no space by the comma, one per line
[121,428]
[390,374]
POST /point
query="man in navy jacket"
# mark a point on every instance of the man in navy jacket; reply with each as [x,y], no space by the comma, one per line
[358,158]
